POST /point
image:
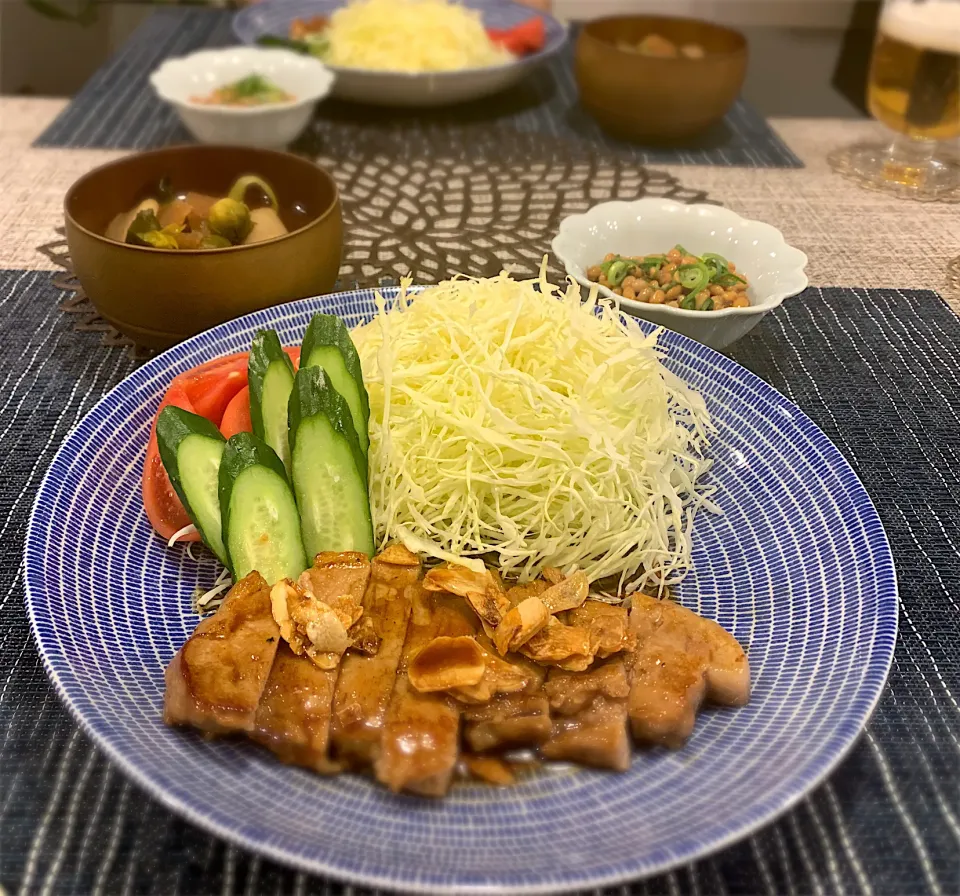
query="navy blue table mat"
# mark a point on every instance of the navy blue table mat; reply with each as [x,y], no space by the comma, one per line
[876,369]
[117,108]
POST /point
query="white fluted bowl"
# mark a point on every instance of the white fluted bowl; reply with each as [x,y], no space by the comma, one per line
[271,126]
[774,269]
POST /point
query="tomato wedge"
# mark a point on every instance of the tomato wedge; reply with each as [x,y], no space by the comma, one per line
[217,390]
[211,392]
[236,418]
[160,501]
[523,38]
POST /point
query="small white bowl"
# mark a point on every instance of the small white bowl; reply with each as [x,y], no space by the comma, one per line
[774,270]
[271,126]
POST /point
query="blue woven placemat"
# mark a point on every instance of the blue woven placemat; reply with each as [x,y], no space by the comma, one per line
[117,108]
[876,369]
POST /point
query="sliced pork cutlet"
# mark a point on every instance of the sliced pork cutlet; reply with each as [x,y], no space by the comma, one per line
[681,659]
[367,682]
[420,740]
[510,721]
[216,679]
[608,626]
[589,716]
[293,718]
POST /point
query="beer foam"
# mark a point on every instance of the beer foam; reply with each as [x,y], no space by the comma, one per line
[931,25]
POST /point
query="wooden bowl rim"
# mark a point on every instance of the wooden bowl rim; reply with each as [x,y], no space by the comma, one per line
[587,33]
[204,253]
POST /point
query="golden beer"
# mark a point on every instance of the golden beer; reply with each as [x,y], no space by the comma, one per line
[915,73]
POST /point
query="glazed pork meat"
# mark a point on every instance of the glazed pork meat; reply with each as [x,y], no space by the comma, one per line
[215,681]
[421,735]
[367,680]
[293,719]
[373,667]
[680,660]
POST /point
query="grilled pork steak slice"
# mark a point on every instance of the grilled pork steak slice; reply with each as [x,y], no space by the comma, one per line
[216,679]
[366,682]
[589,713]
[420,739]
[293,718]
[681,659]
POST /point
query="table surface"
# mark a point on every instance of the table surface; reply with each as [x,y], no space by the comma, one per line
[853,237]
[886,823]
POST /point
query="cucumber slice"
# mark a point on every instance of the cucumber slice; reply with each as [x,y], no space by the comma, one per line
[270,374]
[261,526]
[191,449]
[327,344]
[329,468]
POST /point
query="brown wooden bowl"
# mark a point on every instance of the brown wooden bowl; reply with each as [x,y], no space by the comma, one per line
[652,99]
[159,297]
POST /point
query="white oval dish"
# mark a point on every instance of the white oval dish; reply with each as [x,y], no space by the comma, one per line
[775,270]
[266,127]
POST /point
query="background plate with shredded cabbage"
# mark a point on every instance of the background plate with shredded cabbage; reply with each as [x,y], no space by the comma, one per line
[796,567]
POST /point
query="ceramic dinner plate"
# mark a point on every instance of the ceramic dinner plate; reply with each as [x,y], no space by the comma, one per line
[797,567]
[423,89]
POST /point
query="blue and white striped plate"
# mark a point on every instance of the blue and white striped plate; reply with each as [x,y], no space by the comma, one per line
[797,567]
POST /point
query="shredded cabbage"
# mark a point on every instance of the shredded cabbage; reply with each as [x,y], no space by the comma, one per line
[410,36]
[512,417]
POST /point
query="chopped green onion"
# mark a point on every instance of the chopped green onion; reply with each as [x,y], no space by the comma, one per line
[681,250]
[708,304]
[618,271]
[693,277]
[650,260]
[716,264]
[239,189]
[729,279]
[689,303]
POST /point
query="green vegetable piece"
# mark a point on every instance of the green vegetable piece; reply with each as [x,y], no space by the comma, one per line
[191,449]
[285,43]
[238,191]
[689,302]
[618,269]
[157,239]
[716,264]
[329,468]
[230,219]
[618,272]
[683,251]
[145,222]
[270,374]
[653,260]
[252,85]
[729,279]
[261,525]
[215,241]
[707,305]
[693,277]
[327,344]
[318,45]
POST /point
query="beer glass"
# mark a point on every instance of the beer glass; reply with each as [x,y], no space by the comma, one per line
[914,89]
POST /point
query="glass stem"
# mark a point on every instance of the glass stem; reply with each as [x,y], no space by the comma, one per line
[908,160]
